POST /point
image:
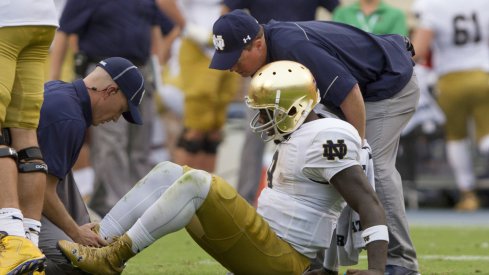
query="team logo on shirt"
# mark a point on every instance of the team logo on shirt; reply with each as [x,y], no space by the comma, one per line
[218,42]
[335,150]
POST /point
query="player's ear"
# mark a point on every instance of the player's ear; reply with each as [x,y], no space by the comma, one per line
[257,43]
[260,44]
[112,90]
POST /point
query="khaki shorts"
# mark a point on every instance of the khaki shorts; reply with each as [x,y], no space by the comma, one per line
[207,91]
[231,231]
[23,52]
[462,96]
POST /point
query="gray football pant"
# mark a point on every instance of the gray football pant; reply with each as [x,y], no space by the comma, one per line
[51,234]
[385,121]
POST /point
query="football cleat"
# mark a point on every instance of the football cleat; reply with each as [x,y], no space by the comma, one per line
[110,259]
[19,255]
[468,202]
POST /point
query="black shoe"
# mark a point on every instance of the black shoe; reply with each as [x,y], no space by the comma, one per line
[398,270]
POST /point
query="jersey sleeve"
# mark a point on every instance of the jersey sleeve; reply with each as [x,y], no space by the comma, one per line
[60,145]
[426,18]
[330,152]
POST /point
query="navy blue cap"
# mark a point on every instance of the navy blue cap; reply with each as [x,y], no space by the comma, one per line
[230,34]
[130,81]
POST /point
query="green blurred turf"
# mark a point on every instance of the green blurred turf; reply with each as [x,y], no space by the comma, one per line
[178,254]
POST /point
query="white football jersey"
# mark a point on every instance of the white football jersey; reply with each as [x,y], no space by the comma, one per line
[28,13]
[299,203]
[461,28]
[202,13]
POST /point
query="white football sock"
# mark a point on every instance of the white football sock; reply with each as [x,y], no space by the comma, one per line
[460,158]
[110,228]
[140,237]
[32,230]
[484,145]
[132,206]
[11,221]
[173,210]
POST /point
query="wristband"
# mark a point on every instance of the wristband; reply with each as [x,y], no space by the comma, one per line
[375,233]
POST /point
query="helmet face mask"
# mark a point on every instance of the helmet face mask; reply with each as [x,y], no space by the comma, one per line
[285,93]
[265,122]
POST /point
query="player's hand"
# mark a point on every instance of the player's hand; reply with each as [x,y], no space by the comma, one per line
[364,272]
[86,236]
[198,34]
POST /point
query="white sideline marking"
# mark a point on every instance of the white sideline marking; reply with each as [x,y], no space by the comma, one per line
[424,257]
[208,262]
[448,257]
[455,258]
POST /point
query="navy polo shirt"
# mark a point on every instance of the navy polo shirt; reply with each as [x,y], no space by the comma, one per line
[339,56]
[166,24]
[111,28]
[65,116]
[286,10]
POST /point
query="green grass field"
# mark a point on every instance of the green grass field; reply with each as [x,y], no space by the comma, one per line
[441,250]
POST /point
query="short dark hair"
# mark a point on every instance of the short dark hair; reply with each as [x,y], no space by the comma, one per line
[258,36]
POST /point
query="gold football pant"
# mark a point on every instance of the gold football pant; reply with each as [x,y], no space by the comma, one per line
[23,52]
[207,92]
[464,95]
[232,232]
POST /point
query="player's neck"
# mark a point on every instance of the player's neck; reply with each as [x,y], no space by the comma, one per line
[369,6]
[311,117]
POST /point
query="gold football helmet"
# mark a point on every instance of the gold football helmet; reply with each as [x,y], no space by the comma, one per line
[284,92]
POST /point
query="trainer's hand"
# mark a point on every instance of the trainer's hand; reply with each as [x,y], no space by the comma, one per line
[198,34]
[364,272]
[86,236]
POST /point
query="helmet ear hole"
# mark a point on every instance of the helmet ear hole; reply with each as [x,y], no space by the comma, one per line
[292,111]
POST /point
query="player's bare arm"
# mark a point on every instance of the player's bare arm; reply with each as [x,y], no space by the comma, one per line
[353,185]
[353,108]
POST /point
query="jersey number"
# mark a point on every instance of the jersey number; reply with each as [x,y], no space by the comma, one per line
[462,30]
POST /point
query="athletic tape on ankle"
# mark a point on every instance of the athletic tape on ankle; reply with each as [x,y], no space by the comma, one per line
[375,233]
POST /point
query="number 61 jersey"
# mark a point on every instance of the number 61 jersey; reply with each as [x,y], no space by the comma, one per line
[299,203]
[461,30]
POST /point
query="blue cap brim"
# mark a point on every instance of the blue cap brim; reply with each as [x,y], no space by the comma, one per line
[225,60]
[133,115]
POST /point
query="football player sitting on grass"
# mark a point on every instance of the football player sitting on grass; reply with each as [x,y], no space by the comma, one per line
[315,169]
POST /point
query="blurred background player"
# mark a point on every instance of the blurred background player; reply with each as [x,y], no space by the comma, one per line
[26,31]
[456,33]
[207,93]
